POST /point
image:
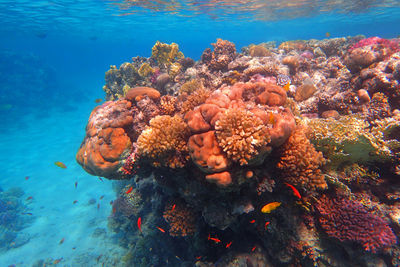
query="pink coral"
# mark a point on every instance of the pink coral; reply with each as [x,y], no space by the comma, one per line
[348,220]
[376,41]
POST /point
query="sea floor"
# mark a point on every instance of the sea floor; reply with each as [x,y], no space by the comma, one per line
[73,234]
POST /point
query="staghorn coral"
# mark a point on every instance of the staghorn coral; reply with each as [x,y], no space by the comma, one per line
[300,163]
[241,134]
[348,220]
[181,219]
[164,142]
[166,54]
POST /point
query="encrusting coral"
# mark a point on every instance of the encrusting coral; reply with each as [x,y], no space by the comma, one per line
[164,142]
[300,163]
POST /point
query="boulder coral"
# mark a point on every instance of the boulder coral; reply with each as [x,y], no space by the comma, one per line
[107,144]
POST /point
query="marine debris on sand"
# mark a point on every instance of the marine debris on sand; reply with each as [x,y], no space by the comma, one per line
[272,156]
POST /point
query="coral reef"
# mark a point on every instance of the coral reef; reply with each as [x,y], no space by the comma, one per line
[201,147]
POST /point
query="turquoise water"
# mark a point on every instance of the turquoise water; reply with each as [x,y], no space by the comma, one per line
[54,56]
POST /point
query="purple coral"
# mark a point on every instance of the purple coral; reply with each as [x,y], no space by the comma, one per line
[348,220]
[392,45]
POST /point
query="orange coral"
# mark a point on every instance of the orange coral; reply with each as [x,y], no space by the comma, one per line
[300,163]
[241,134]
[106,145]
[196,98]
[181,219]
[164,142]
[168,105]
[137,93]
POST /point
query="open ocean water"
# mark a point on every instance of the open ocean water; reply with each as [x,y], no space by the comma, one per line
[53,59]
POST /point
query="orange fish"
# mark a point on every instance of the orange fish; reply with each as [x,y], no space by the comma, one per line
[216,240]
[27,178]
[295,191]
[287,86]
[266,225]
[161,230]
[75,201]
[198,258]
[252,221]
[102,197]
[228,245]
[60,164]
[254,248]
[129,190]
[268,208]
[61,241]
[114,210]
[98,100]
[173,207]
[328,34]
[139,224]
[57,261]
[29,198]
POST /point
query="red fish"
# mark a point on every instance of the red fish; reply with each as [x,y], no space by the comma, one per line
[295,191]
[139,224]
[198,258]
[29,198]
[114,210]
[254,248]
[216,240]
[161,230]
[129,190]
[173,207]
[252,221]
[228,245]
[61,241]
[266,224]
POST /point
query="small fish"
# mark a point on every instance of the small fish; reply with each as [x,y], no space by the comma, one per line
[114,210]
[173,207]
[254,248]
[177,257]
[161,230]
[27,213]
[60,164]
[198,257]
[328,34]
[75,201]
[268,208]
[98,206]
[216,240]
[295,191]
[98,100]
[101,197]
[139,224]
[101,179]
[129,190]
[271,119]
[111,202]
[57,261]
[287,86]
[252,221]
[29,198]
[61,241]
[74,248]
[98,258]
[26,178]
[76,184]
[266,225]
[228,245]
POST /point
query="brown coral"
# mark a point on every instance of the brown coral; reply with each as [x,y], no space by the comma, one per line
[164,142]
[181,219]
[137,93]
[168,105]
[241,134]
[300,163]
[224,52]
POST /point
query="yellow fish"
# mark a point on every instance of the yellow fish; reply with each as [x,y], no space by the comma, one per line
[60,164]
[328,34]
[270,207]
[98,100]
[287,86]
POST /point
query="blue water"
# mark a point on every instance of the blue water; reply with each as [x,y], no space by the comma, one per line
[74,42]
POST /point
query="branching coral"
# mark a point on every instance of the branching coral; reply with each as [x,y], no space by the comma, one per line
[300,163]
[166,54]
[168,105]
[181,219]
[164,142]
[241,134]
[348,220]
